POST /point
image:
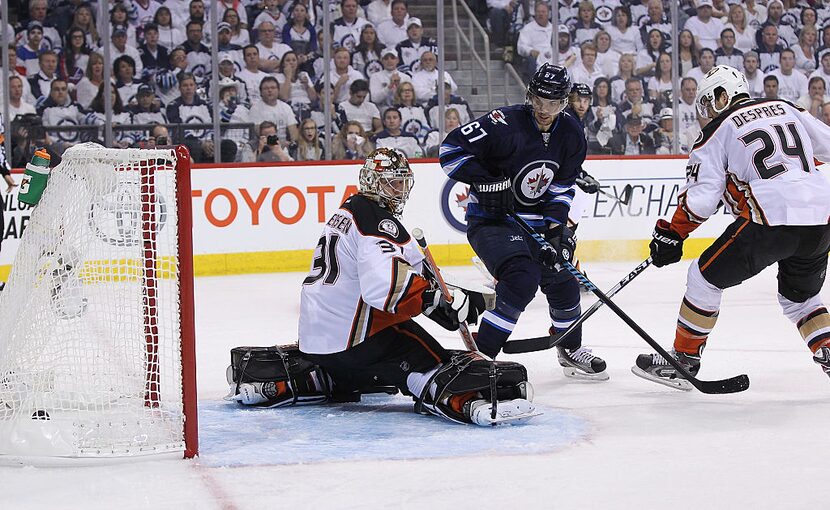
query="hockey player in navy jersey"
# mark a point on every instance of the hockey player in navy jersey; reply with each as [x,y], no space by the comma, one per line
[525,158]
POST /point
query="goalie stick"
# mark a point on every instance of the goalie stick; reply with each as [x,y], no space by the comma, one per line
[731,385]
[463,330]
[541,343]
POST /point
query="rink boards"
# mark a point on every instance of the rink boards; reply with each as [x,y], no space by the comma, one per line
[266,218]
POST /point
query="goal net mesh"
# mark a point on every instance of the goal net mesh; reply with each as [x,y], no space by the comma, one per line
[90,355]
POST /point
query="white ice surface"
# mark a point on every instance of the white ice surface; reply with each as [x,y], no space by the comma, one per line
[625,443]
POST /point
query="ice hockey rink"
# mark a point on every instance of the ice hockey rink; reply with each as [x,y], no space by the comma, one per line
[624,443]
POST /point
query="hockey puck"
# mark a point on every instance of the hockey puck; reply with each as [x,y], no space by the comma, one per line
[40,414]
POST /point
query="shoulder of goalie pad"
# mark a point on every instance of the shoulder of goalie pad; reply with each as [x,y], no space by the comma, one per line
[455,283]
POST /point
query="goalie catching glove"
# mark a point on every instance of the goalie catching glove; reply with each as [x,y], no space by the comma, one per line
[466,306]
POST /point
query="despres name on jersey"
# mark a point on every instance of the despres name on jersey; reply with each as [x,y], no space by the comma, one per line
[759,112]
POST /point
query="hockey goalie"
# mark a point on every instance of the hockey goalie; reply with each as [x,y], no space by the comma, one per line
[356,332]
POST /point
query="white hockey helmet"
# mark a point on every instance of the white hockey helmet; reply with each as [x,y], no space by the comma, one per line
[387,179]
[725,77]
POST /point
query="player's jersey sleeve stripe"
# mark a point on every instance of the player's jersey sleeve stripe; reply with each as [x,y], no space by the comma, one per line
[446,149]
[451,167]
[360,324]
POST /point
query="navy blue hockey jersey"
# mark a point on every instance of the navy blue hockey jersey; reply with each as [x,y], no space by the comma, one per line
[507,143]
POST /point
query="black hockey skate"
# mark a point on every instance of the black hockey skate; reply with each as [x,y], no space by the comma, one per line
[581,364]
[822,357]
[654,367]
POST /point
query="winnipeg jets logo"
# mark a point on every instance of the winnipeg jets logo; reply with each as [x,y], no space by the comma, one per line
[532,181]
[389,227]
[496,117]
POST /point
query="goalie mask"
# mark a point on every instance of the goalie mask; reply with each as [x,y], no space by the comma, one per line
[387,179]
[720,79]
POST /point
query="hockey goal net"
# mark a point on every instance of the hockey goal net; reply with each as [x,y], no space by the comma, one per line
[96,320]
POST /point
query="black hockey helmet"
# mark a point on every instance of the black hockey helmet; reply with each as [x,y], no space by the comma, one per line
[581,90]
[550,82]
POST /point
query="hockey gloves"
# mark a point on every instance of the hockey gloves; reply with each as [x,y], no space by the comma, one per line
[561,249]
[666,246]
[587,183]
[494,198]
[465,307]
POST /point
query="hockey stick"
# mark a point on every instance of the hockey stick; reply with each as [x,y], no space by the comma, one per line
[625,196]
[731,385]
[463,330]
[541,343]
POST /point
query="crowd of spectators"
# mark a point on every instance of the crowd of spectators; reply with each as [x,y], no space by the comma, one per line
[383,78]
[622,50]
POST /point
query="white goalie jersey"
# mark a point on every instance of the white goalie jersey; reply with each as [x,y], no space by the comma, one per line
[760,159]
[365,277]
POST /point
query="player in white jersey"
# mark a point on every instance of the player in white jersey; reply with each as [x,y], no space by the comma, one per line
[757,156]
[367,280]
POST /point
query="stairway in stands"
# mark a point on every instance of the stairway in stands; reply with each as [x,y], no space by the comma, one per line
[468,74]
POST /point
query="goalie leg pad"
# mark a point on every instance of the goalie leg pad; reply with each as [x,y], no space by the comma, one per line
[276,376]
[467,379]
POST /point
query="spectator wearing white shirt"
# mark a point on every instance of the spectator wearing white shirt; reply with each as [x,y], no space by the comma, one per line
[345,30]
[270,108]
[425,78]
[40,82]
[251,74]
[13,71]
[791,83]
[342,75]
[379,11]
[769,51]
[239,32]
[775,10]
[647,57]
[28,53]
[270,51]
[383,84]
[661,81]
[17,105]
[727,54]
[825,113]
[706,28]
[624,37]
[415,45]
[607,58]
[656,19]
[744,32]
[393,30]
[586,26]
[823,71]
[815,97]
[357,109]
[754,77]
[688,126]
[296,87]
[586,71]
[37,14]
[805,50]
[535,39]
[392,135]
[273,14]
[707,62]
[120,47]
[170,35]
